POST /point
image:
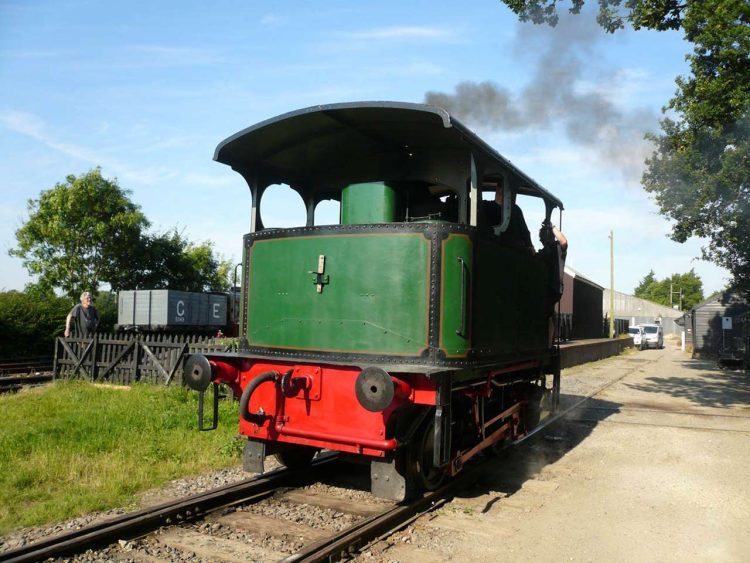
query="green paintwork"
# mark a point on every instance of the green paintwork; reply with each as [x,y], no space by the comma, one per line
[451,343]
[372,202]
[375,295]
[375,301]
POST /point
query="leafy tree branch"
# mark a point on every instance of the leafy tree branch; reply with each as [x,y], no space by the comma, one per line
[699,174]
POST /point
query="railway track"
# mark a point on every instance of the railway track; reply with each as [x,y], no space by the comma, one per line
[244,522]
[17,374]
[28,366]
[276,516]
[13,383]
[260,519]
[135,524]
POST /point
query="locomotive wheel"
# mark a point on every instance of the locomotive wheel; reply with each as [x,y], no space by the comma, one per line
[295,457]
[419,458]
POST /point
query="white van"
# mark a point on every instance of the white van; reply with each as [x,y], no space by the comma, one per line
[654,336]
[636,333]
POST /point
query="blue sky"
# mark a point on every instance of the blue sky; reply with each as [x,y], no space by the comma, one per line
[146,90]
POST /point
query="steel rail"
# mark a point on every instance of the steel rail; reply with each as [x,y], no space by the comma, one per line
[345,543]
[23,362]
[15,382]
[28,367]
[137,523]
[626,408]
[660,425]
[558,415]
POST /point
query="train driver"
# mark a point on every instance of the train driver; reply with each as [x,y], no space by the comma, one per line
[517,231]
[555,251]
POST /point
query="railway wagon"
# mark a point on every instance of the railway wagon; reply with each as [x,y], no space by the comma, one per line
[173,311]
[413,334]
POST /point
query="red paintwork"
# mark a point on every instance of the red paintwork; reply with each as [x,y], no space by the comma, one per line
[321,410]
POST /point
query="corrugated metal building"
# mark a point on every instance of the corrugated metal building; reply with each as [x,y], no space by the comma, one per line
[640,311]
[717,323]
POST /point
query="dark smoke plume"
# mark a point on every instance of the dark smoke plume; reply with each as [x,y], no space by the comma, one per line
[553,97]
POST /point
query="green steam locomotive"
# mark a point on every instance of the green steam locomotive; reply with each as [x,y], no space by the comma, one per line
[414,333]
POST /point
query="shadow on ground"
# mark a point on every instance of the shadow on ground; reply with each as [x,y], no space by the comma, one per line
[712,388]
[507,470]
[516,465]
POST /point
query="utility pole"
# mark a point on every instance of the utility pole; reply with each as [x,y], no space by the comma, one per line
[611,284]
[671,294]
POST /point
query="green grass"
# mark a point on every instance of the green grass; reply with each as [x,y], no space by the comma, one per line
[72,447]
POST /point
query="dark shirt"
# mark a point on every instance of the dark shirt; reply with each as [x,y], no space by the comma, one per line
[86,320]
[554,255]
[517,229]
[517,232]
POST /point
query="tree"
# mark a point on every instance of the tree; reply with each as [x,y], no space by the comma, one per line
[30,321]
[81,233]
[660,15]
[667,291]
[106,306]
[646,288]
[86,231]
[699,173]
[171,261]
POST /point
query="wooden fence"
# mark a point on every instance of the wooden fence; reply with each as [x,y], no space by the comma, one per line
[127,358]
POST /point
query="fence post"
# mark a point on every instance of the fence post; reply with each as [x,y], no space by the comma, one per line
[94,352]
[136,357]
[54,362]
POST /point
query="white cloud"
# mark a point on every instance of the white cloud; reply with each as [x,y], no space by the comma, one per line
[270,19]
[34,127]
[22,122]
[400,32]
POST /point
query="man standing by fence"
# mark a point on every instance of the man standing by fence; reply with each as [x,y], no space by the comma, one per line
[86,317]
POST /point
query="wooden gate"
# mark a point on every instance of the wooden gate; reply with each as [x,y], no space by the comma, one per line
[127,358]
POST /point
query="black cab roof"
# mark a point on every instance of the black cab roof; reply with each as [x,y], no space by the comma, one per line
[320,149]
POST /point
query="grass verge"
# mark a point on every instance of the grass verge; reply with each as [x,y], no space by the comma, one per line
[72,447]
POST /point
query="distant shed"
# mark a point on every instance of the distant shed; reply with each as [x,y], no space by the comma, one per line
[717,323]
[582,299]
[640,311]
